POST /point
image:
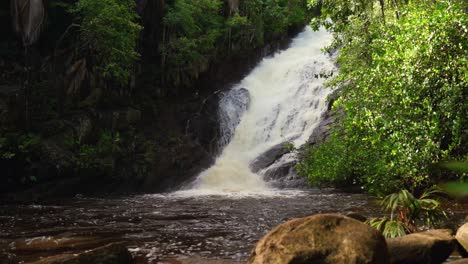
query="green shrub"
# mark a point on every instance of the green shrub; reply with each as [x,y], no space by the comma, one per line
[404,83]
[109,33]
[407,212]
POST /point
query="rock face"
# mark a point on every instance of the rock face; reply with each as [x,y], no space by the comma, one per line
[429,247]
[232,106]
[462,236]
[268,157]
[322,238]
[328,118]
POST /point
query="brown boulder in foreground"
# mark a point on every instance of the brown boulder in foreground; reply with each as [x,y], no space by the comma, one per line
[430,247]
[322,238]
[462,236]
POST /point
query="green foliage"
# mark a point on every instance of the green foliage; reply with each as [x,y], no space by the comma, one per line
[109,32]
[193,27]
[20,150]
[326,163]
[195,32]
[404,83]
[406,212]
[289,146]
[456,189]
[99,157]
[22,146]
[389,228]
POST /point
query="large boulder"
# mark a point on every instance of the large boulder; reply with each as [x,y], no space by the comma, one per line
[462,236]
[322,238]
[430,247]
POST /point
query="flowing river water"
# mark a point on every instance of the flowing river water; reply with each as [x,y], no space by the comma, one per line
[158,227]
[227,208]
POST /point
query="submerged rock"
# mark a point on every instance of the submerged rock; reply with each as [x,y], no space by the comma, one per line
[322,238]
[430,247]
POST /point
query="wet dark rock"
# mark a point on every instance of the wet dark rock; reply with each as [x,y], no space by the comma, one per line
[202,127]
[233,104]
[327,120]
[430,247]
[115,253]
[323,129]
[322,238]
[275,173]
[268,157]
[283,175]
[357,216]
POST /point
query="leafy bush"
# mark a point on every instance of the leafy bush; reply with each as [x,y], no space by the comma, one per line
[404,83]
[406,212]
[192,30]
[19,151]
[109,33]
[99,158]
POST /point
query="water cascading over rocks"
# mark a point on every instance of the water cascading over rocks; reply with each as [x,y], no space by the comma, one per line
[280,101]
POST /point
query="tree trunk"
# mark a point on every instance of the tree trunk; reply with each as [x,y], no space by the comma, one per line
[382,9]
[397,12]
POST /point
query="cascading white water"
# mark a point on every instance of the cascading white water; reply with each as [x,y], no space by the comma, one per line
[284,102]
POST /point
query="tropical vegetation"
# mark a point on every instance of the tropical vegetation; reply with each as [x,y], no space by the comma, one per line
[402,108]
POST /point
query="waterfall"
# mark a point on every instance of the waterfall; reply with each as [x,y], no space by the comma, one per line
[281,100]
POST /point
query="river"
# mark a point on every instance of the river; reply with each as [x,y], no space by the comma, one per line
[159,226]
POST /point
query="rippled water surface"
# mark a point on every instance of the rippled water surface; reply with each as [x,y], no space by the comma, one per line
[160,226]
